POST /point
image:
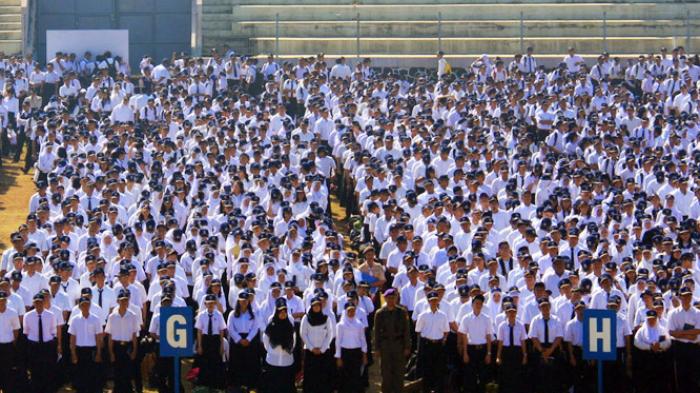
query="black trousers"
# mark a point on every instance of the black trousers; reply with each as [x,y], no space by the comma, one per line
[510,373]
[351,373]
[211,367]
[546,371]
[476,371]
[432,364]
[686,358]
[164,367]
[122,367]
[8,367]
[41,358]
[244,364]
[582,376]
[653,371]
[615,378]
[85,376]
[318,372]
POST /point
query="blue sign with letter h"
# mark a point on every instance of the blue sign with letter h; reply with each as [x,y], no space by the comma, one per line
[176,332]
[599,335]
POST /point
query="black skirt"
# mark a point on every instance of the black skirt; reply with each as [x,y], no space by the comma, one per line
[318,372]
[277,379]
[244,363]
[211,367]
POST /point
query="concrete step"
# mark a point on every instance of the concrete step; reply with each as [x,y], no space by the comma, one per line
[10,46]
[465,45]
[453,28]
[10,35]
[16,3]
[208,8]
[482,11]
[399,3]
[11,18]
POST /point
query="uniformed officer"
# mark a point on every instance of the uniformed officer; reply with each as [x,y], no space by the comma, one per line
[393,341]
[9,333]
[512,351]
[122,329]
[581,370]
[684,327]
[210,327]
[85,331]
[617,374]
[40,328]
[475,335]
[432,327]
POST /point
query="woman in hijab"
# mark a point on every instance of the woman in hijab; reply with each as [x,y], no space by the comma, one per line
[244,366]
[317,332]
[278,340]
[351,350]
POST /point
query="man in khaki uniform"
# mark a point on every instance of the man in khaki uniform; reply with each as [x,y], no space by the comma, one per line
[393,341]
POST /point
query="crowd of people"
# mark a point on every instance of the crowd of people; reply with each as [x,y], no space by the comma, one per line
[489,206]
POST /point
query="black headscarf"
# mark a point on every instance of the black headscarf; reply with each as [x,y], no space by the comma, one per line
[316,318]
[281,332]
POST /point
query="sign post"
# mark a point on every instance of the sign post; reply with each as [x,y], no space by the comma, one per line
[176,337]
[599,338]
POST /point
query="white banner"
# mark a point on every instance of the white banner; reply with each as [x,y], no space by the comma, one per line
[81,41]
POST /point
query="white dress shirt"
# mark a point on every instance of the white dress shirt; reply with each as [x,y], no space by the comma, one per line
[680,319]
[277,356]
[122,327]
[31,326]
[519,334]
[573,332]
[319,336]
[432,325]
[537,329]
[9,322]
[85,330]
[476,328]
[350,334]
[217,320]
[243,324]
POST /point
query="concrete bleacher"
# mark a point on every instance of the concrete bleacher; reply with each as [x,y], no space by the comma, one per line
[10,26]
[410,28]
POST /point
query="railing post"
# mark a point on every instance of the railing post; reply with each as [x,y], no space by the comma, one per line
[439,31]
[605,31]
[358,36]
[522,32]
[687,31]
[277,35]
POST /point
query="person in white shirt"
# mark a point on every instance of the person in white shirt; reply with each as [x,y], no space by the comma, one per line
[9,332]
[317,331]
[546,334]
[573,337]
[279,342]
[85,331]
[211,327]
[351,350]
[41,330]
[432,327]
[122,328]
[475,336]
[684,328]
[651,363]
[244,343]
[511,355]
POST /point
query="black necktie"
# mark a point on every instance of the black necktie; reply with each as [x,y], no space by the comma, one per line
[90,204]
[511,336]
[546,331]
[210,329]
[41,329]
[573,311]
[65,287]
[99,297]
